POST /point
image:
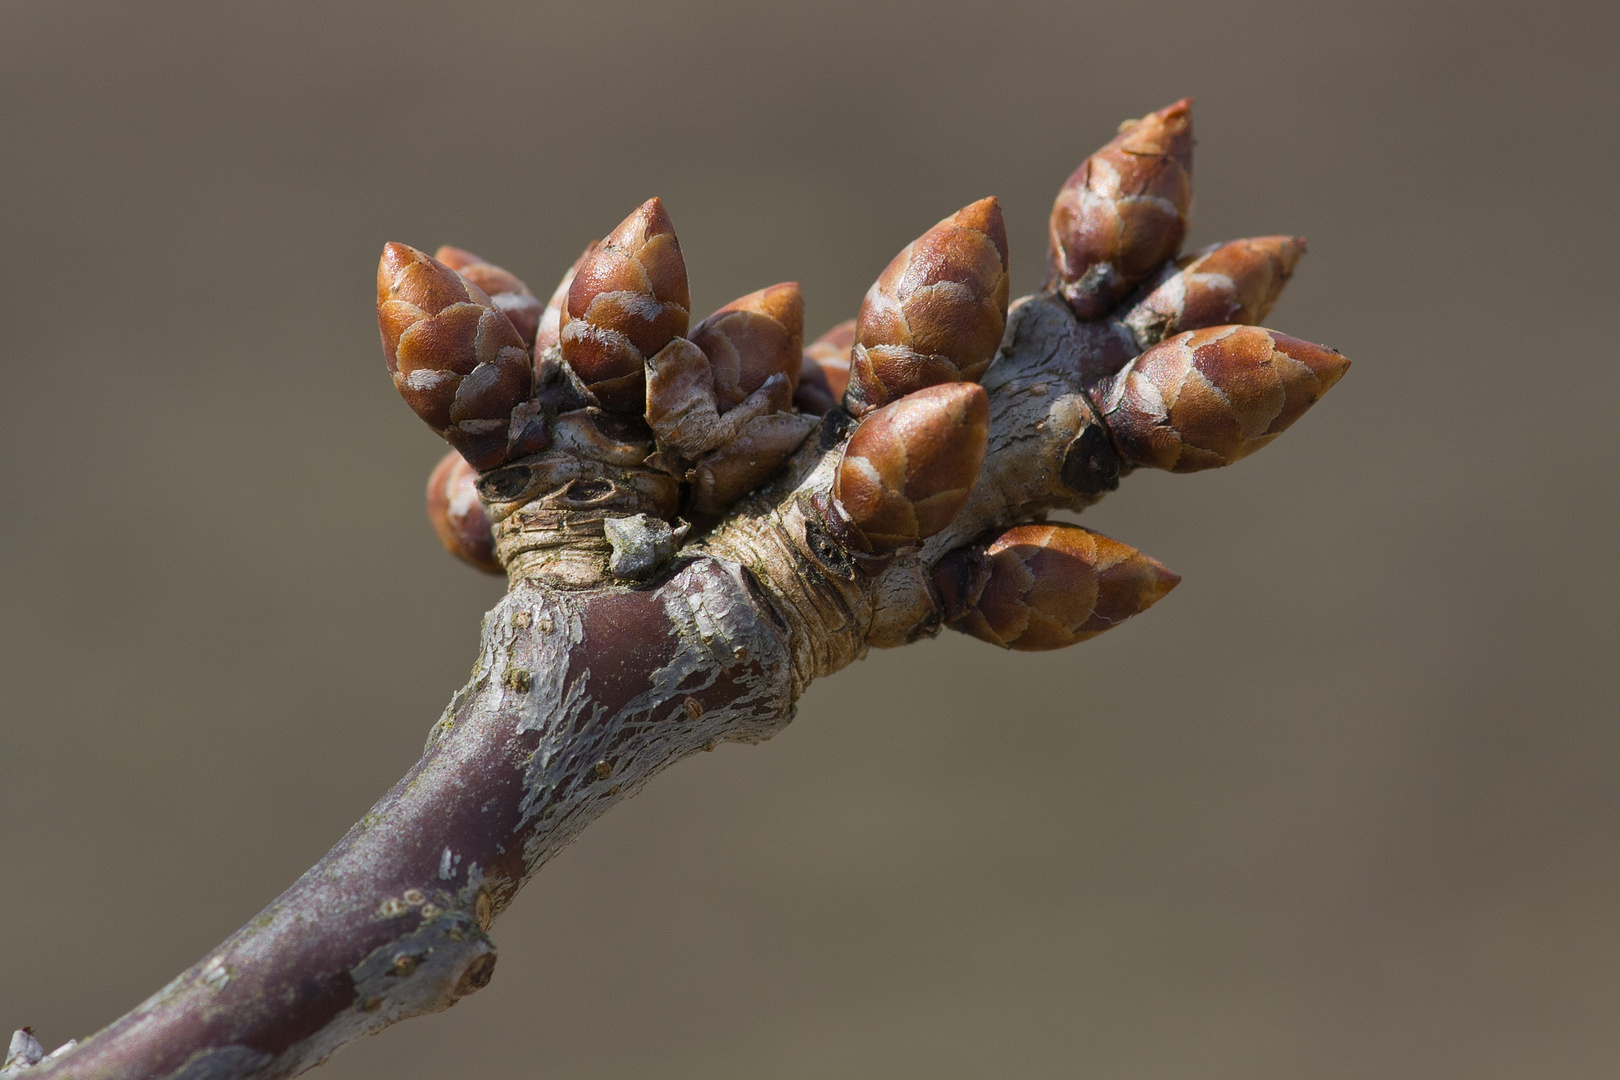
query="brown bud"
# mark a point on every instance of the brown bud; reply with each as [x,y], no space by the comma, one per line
[457,515]
[1206,398]
[910,467]
[936,314]
[1046,586]
[1123,211]
[824,374]
[506,292]
[628,299]
[739,466]
[1235,282]
[549,329]
[751,339]
[455,358]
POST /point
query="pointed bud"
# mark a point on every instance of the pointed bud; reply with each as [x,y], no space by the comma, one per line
[936,314]
[1235,282]
[457,361]
[1046,586]
[751,339]
[627,300]
[1209,397]
[549,328]
[1123,212]
[509,295]
[910,467]
[456,514]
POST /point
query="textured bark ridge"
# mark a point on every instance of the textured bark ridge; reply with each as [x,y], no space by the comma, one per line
[694,531]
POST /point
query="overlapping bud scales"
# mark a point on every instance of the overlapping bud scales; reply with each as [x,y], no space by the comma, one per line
[753,338]
[1046,586]
[1234,282]
[721,403]
[1123,212]
[1206,398]
[549,329]
[936,314]
[824,373]
[628,299]
[457,514]
[909,468]
[509,295]
[455,358]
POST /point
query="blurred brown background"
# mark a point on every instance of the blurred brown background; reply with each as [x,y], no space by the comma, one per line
[1346,805]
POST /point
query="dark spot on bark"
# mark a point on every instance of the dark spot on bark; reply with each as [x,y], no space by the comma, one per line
[1090,465]
[585,491]
[834,426]
[477,976]
[827,551]
[504,484]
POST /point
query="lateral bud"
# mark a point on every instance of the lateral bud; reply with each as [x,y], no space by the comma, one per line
[509,295]
[751,339]
[456,359]
[909,468]
[937,312]
[1235,282]
[1206,398]
[1123,212]
[628,299]
[457,515]
[1038,587]
[824,372]
[720,402]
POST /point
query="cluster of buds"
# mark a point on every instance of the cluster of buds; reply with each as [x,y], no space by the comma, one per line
[721,401]
[599,405]
[604,408]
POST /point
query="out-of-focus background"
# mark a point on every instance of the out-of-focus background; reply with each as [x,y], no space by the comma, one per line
[1345,805]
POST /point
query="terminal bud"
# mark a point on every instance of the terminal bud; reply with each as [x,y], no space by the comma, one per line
[628,299]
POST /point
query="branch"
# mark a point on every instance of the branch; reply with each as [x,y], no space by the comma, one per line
[631,638]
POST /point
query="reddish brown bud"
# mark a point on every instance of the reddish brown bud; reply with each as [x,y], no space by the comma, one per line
[455,358]
[824,374]
[628,299]
[1123,211]
[549,328]
[509,295]
[739,466]
[1046,586]
[1235,282]
[910,467]
[457,515]
[1206,398]
[751,339]
[936,314]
